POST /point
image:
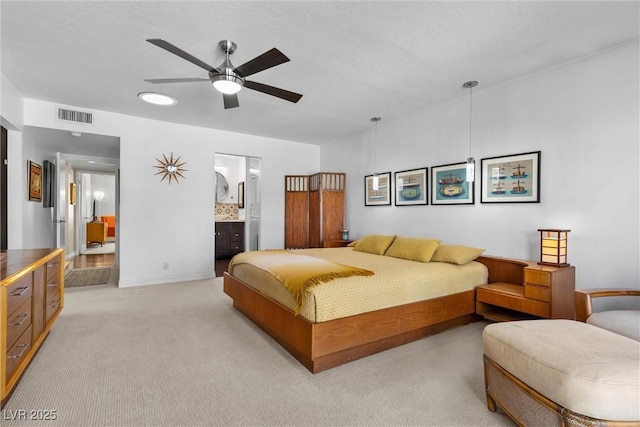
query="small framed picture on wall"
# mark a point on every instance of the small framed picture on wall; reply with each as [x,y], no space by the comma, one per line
[411,187]
[35,181]
[449,185]
[511,179]
[377,189]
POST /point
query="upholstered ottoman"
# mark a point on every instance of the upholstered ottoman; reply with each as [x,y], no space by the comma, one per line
[561,372]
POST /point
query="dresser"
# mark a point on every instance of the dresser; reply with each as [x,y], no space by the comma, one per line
[540,291]
[229,238]
[97,232]
[31,298]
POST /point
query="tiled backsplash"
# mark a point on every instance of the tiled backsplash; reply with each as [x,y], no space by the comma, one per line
[226,211]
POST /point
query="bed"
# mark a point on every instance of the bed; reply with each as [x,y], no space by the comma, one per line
[348,318]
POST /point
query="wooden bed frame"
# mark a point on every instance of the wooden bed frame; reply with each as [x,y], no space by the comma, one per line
[324,345]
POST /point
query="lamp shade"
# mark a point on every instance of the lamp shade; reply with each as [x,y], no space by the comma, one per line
[98,195]
[553,247]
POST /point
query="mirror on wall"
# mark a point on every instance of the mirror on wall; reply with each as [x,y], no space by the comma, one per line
[222,187]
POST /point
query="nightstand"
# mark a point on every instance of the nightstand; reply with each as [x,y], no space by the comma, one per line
[96,232]
[546,292]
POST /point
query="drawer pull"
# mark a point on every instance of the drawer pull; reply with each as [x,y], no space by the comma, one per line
[22,291]
[18,356]
[54,303]
[53,285]
[24,317]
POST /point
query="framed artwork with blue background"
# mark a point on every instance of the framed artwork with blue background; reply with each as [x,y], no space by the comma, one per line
[449,185]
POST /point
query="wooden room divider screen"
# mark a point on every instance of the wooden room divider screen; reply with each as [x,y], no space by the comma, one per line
[314,209]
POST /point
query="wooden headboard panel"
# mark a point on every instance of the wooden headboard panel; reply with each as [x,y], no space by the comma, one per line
[504,269]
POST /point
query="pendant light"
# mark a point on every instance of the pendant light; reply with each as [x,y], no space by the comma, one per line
[375,120]
[471,163]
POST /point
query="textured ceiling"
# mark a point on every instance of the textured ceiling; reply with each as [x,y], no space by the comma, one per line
[350,60]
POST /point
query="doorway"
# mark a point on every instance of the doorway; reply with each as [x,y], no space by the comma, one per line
[237,207]
[96,213]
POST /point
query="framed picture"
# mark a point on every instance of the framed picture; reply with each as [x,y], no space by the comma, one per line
[449,185]
[511,179]
[381,195]
[35,181]
[72,193]
[48,184]
[241,195]
[411,187]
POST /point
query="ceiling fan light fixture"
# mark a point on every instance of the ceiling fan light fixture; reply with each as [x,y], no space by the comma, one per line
[226,83]
[157,98]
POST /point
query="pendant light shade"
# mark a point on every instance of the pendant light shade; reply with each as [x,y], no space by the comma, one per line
[471,163]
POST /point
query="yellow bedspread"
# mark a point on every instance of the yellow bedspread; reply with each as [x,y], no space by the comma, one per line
[295,271]
[396,282]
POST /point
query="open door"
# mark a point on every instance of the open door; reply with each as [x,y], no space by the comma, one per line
[61,205]
[253,202]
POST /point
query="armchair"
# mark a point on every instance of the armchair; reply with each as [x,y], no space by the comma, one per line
[623,322]
[111,224]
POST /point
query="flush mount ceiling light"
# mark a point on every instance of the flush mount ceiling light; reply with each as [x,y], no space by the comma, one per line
[157,98]
[471,163]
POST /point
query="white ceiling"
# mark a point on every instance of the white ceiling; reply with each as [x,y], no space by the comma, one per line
[350,60]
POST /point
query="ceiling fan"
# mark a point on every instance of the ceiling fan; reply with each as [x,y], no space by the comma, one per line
[228,79]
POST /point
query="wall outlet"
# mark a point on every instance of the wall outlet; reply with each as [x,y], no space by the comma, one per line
[165,265]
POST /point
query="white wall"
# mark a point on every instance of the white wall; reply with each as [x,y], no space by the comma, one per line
[107,184]
[174,223]
[37,221]
[11,117]
[583,117]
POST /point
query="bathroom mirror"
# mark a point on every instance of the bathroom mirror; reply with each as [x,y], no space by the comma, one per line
[222,187]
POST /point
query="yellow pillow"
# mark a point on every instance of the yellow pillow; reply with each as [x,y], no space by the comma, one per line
[414,249]
[374,244]
[456,254]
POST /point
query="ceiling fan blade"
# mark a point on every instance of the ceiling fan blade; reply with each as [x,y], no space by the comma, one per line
[230,101]
[181,53]
[178,80]
[270,90]
[268,59]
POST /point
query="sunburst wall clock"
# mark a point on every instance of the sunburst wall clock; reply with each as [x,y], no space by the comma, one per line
[170,168]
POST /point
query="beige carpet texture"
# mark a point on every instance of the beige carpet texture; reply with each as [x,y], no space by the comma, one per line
[181,355]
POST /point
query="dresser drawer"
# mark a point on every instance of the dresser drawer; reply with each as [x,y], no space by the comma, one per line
[53,287]
[18,353]
[537,277]
[18,322]
[537,292]
[53,305]
[19,292]
[53,269]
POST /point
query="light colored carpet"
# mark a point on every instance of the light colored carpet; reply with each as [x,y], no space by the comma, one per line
[107,248]
[181,355]
[86,277]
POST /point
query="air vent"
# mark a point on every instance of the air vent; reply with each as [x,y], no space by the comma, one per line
[75,116]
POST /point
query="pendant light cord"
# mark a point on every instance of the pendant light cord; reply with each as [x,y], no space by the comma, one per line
[375,144]
[470,112]
[470,85]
